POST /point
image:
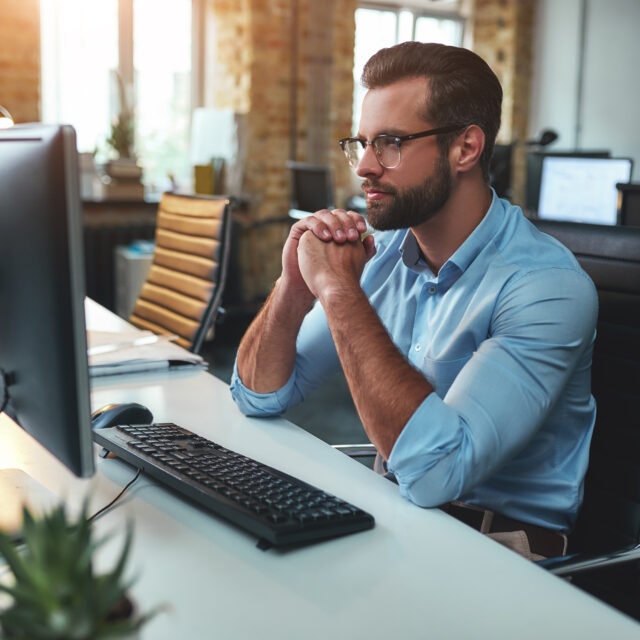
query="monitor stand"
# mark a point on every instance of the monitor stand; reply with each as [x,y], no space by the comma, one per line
[18,488]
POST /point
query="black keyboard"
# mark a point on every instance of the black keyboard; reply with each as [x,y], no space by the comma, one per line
[276,507]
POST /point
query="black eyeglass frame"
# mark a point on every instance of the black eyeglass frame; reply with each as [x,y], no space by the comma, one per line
[398,140]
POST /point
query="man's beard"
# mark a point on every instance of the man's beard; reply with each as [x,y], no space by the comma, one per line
[413,206]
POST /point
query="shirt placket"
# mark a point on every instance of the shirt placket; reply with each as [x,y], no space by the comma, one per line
[426,306]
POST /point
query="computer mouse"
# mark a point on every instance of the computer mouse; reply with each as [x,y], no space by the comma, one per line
[112,415]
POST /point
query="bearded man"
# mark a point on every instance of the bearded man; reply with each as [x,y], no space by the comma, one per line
[465,335]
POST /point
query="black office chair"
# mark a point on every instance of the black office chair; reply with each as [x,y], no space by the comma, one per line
[604,547]
[605,544]
[183,290]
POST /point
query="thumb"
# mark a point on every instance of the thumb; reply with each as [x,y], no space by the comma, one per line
[369,247]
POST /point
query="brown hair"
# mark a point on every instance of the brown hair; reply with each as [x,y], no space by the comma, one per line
[462,87]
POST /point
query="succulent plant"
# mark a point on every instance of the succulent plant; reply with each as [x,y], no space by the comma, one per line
[56,594]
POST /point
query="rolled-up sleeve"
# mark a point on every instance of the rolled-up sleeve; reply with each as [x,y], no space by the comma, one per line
[260,404]
[316,360]
[542,332]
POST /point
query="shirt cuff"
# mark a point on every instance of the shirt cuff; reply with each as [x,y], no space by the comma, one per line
[420,458]
[252,403]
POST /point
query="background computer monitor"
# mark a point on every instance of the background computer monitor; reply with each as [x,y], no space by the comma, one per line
[535,158]
[630,203]
[311,187]
[500,169]
[43,349]
[582,189]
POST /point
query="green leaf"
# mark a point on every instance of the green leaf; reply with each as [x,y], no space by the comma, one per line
[15,562]
[56,594]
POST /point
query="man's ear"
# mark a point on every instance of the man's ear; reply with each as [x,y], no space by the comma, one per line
[468,148]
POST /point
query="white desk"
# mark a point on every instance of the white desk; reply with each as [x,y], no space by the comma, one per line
[418,574]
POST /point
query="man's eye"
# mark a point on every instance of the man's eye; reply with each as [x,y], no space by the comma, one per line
[385,143]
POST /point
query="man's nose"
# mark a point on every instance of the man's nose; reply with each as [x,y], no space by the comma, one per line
[369,164]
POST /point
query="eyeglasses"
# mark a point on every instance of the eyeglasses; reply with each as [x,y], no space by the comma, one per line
[386,147]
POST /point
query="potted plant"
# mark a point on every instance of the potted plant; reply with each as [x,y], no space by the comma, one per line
[55,593]
[122,136]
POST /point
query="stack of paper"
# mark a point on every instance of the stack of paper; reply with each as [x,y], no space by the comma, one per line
[133,351]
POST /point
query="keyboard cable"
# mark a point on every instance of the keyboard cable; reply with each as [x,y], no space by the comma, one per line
[98,513]
[18,540]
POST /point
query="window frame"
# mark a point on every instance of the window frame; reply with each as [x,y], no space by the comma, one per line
[417,12]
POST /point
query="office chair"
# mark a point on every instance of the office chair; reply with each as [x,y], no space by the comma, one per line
[183,290]
[605,544]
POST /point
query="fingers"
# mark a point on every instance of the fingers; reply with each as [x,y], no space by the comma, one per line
[337,225]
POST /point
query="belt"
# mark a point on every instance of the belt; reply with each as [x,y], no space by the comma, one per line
[542,541]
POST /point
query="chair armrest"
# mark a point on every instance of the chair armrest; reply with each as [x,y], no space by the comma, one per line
[356,450]
[578,562]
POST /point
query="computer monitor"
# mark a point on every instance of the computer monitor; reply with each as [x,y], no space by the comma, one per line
[582,189]
[500,169]
[44,381]
[630,203]
[535,158]
[311,188]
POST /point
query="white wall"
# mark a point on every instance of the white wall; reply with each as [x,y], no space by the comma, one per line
[611,91]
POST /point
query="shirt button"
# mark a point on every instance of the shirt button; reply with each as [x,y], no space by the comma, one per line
[418,347]
[432,289]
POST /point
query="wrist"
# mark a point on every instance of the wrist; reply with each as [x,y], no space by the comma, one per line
[340,292]
[297,300]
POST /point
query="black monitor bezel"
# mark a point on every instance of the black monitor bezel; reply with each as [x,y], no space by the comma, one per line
[42,297]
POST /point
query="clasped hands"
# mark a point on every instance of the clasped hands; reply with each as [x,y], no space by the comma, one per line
[324,253]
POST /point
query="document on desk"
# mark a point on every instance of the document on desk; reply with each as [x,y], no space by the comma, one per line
[112,353]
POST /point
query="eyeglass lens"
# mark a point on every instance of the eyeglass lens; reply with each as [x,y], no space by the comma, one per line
[386,148]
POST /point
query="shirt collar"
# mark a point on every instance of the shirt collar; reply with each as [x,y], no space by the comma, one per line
[481,236]
[466,252]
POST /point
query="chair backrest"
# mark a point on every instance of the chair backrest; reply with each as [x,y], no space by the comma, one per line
[183,290]
[610,516]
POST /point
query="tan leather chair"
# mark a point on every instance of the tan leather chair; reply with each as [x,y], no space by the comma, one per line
[183,290]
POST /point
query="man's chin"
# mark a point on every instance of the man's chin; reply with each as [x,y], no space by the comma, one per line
[379,218]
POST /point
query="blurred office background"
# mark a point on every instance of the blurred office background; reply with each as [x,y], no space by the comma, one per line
[160,89]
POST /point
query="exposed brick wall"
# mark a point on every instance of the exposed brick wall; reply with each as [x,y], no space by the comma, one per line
[251,69]
[20,59]
[503,36]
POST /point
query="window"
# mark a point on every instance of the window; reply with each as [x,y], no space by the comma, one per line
[86,47]
[378,27]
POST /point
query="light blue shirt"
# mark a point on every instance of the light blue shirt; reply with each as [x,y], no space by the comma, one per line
[504,334]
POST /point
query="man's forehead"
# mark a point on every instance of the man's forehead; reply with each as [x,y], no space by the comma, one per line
[399,105]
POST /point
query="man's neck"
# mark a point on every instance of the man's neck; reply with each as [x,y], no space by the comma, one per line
[440,236]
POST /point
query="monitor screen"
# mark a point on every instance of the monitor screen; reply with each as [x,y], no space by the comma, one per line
[582,189]
[311,187]
[534,162]
[44,382]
